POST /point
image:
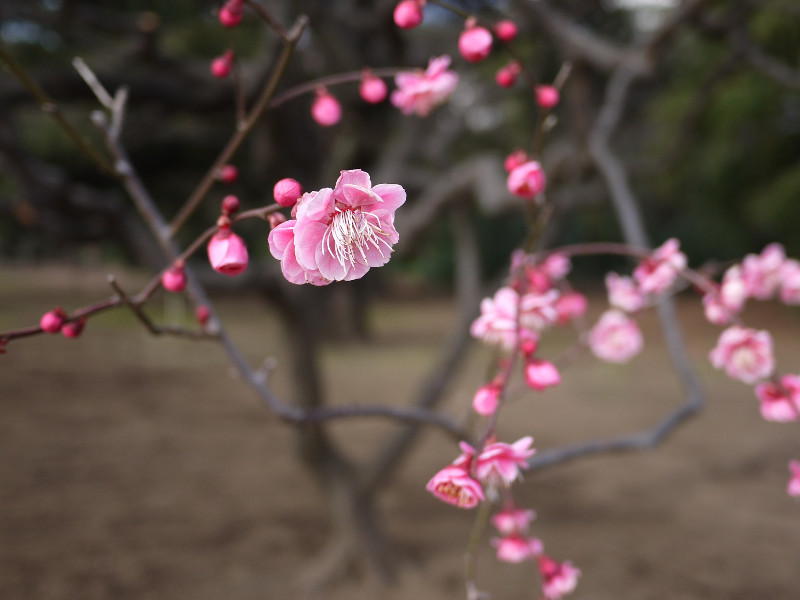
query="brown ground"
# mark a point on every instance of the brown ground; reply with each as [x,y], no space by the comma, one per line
[135,467]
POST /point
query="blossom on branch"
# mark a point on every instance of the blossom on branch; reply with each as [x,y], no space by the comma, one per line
[454,486]
[762,272]
[558,579]
[656,273]
[516,548]
[623,293]
[615,338]
[420,92]
[499,463]
[745,354]
[513,520]
[780,403]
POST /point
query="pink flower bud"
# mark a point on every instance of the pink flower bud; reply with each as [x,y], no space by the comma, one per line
[507,76]
[287,191]
[228,174]
[486,399]
[506,30]
[230,204]
[227,253]
[202,314]
[230,15]
[52,321]
[221,66]
[475,43]
[541,374]
[275,219]
[372,89]
[547,96]
[326,109]
[515,159]
[558,579]
[73,329]
[174,278]
[408,13]
[793,487]
[527,180]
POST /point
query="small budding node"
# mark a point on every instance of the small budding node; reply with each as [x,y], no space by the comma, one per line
[174,278]
[372,89]
[228,174]
[52,321]
[230,204]
[515,159]
[202,314]
[230,15]
[506,30]
[547,96]
[221,66]
[408,13]
[275,219]
[287,192]
[475,42]
[227,252]
[326,109]
[73,329]
[507,76]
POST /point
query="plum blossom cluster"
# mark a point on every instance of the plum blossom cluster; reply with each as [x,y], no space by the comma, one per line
[337,234]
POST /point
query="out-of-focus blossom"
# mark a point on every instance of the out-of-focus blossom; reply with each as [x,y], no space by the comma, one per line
[558,579]
[408,13]
[541,374]
[475,43]
[515,159]
[727,300]
[762,272]
[571,306]
[623,293]
[516,548]
[326,109]
[53,320]
[656,273]
[174,278]
[506,30]
[372,89]
[507,75]
[790,282]
[745,354]
[230,15]
[486,398]
[513,520]
[547,96]
[222,65]
[616,337]
[793,487]
[73,329]
[420,92]
[526,180]
[780,403]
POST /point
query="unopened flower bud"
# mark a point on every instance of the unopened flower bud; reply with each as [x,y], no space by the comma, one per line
[230,204]
[287,191]
[228,174]
[506,30]
[515,159]
[174,278]
[73,329]
[372,89]
[275,219]
[227,253]
[221,66]
[526,180]
[202,314]
[326,109]
[475,43]
[408,13]
[230,15]
[52,321]
[507,76]
[547,96]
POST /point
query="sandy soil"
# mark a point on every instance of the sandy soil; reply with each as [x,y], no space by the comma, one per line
[135,467]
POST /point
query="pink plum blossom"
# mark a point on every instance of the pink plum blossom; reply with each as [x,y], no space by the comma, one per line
[541,374]
[547,96]
[486,399]
[517,549]
[558,579]
[762,272]
[408,13]
[420,92]
[615,338]
[326,109]
[571,306]
[745,354]
[513,520]
[372,89]
[656,273]
[287,192]
[341,233]
[623,293]
[727,300]
[174,278]
[454,486]
[497,325]
[793,487]
[499,463]
[227,252]
[282,246]
[790,282]
[780,403]
[506,30]
[526,180]
[475,43]
[507,75]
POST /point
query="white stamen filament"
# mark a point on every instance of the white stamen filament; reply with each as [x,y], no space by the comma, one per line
[351,231]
